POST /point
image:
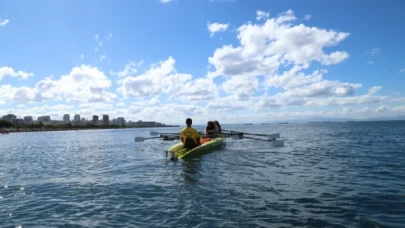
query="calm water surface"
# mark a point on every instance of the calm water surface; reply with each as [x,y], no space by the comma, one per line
[327,175]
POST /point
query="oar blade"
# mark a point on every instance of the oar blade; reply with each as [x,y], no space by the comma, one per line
[273,136]
[139,139]
[236,137]
[278,143]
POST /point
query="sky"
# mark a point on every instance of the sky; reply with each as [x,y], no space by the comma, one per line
[235,61]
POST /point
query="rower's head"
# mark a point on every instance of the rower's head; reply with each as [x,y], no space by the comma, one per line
[189,122]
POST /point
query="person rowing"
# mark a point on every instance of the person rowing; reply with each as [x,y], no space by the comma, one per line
[218,127]
[211,130]
[189,135]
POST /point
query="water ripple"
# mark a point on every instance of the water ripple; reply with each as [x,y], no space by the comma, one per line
[327,175]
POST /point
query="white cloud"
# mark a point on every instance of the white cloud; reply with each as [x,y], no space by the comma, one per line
[4,22]
[323,88]
[375,51]
[109,36]
[307,17]
[261,15]
[165,1]
[163,78]
[96,36]
[129,70]
[96,49]
[293,78]
[100,43]
[102,57]
[370,62]
[84,84]
[81,57]
[334,58]
[216,27]
[402,70]
[8,71]
[373,90]
[275,42]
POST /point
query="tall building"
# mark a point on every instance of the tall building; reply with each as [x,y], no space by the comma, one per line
[28,119]
[121,121]
[106,120]
[44,119]
[95,119]
[66,118]
[17,122]
[9,117]
[76,119]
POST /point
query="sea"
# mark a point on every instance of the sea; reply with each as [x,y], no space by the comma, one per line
[347,174]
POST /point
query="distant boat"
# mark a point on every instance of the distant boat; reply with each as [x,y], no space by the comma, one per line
[248,124]
[265,123]
[283,123]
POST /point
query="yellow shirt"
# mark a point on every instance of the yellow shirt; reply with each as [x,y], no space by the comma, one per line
[190,132]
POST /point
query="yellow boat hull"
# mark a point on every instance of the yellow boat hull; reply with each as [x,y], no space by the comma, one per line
[179,151]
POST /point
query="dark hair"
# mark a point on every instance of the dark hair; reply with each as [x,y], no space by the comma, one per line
[189,121]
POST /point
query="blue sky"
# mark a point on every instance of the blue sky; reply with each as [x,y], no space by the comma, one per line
[236,61]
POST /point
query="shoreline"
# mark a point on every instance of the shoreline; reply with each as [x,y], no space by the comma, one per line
[19,130]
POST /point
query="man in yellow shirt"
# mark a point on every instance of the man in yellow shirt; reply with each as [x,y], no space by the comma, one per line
[189,136]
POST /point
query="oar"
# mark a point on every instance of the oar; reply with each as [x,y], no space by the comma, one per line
[277,135]
[155,133]
[141,139]
[276,143]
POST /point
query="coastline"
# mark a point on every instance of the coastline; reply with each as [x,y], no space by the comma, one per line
[19,130]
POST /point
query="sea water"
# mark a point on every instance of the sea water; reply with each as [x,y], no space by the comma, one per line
[327,175]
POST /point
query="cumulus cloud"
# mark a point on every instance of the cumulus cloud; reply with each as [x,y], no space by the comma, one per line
[216,27]
[8,71]
[307,17]
[162,77]
[84,84]
[277,41]
[261,15]
[4,22]
[373,90]
[130,69]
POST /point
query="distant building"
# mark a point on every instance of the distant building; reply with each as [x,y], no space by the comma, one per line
[16,122]
[95,119]
[121,121]
[83,120]
[9,117]
[114,122]
[28,119]
[76,119]
[106,120]
[66,118]
[44,119]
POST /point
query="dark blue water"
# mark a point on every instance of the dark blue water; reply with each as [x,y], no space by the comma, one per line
[327,175]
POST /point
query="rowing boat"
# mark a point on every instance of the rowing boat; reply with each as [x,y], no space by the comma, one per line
[178,150]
